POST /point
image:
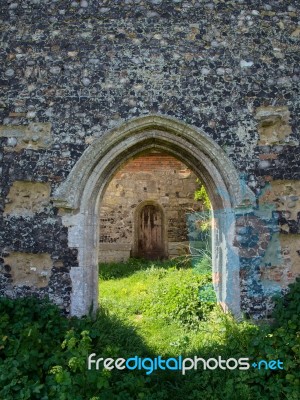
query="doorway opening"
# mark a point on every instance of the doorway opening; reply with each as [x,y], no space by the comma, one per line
[150,228]
[144,210]
[150,276]
[156,268]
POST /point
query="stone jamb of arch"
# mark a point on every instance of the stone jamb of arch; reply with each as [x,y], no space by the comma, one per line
[79,198]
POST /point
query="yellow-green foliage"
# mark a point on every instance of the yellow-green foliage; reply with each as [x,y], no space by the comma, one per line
[201,195]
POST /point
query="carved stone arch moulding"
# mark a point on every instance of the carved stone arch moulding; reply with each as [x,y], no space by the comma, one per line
[81,194]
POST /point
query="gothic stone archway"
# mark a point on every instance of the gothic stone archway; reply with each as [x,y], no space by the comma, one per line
[80,195]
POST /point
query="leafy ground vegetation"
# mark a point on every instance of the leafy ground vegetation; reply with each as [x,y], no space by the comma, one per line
[147,310]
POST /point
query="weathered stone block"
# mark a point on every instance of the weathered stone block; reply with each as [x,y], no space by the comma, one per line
[273,125]
[27,198]
[281,195]
[28,269]
[35,136]
[290,247]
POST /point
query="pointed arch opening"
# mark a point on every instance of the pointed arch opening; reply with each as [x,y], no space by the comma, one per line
[80,195]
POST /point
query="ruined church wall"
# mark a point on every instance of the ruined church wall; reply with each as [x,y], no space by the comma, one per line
[73,70]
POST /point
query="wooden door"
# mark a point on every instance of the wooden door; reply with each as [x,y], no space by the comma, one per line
[150,235]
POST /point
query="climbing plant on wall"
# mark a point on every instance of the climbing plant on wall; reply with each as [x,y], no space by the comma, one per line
[201,195]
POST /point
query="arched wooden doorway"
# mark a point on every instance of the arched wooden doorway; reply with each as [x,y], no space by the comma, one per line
[150,232]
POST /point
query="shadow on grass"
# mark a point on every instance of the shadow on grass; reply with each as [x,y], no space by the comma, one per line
[112,338]
[115,337]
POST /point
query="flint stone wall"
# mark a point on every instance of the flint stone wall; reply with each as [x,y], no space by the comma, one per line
[73,70]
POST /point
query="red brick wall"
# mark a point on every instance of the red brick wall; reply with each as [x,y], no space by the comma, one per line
[151,162]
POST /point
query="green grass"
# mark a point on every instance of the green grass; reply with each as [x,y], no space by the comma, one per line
[173,309]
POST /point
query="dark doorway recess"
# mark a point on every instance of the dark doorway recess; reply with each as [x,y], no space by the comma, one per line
[150,234]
